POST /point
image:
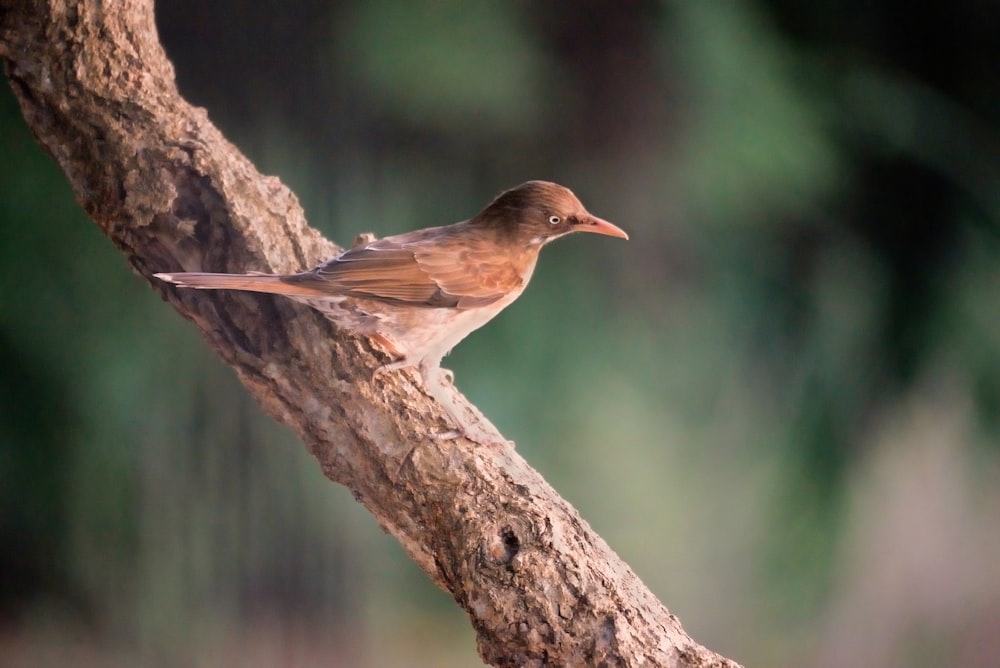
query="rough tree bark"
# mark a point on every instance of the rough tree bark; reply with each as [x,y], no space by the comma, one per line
[540,587]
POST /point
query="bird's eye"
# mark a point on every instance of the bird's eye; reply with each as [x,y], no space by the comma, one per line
[555,220]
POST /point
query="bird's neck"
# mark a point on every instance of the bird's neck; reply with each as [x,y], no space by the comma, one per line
[506,239]
[501,225]
[530,260]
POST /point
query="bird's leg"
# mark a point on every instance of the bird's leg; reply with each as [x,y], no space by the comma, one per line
[470,422]
[405,362]
[433,379]
[430,375]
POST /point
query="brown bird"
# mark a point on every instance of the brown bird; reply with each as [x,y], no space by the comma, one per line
[422,292]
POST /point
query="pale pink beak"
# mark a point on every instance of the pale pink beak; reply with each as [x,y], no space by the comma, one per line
[597,225]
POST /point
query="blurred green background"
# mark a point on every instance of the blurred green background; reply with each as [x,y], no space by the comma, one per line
[778,402]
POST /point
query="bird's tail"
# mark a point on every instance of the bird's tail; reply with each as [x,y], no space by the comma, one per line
[272,283]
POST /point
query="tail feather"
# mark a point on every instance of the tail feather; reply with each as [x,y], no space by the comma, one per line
[271,283]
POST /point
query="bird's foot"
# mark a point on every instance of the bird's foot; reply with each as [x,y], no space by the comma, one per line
[392,366]
[403,360]
[475,434]
[469,422]
[449,435]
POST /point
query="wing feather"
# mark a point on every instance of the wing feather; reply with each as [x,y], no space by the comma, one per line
[418,269]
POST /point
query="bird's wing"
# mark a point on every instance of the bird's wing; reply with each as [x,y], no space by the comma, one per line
[475,276]
[418,272]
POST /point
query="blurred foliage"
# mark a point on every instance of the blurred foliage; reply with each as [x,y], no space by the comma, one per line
[391,47]
[779,402]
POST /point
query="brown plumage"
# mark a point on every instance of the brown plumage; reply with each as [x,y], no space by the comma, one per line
[422,292]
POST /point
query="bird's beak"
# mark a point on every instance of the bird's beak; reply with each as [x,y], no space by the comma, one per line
[597,225]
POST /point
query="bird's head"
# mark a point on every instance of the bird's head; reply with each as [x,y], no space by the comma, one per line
[537,212]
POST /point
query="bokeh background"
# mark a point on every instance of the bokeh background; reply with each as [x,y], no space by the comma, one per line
[779,402]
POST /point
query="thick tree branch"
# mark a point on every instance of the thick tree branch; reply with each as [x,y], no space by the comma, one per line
[540,587]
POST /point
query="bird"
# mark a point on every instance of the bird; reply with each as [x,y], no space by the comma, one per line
[420,293]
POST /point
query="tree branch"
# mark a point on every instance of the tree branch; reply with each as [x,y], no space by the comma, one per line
[540,587]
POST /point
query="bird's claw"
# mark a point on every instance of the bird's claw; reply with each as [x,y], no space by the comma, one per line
[449,435]
[481,439]
[392,366]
